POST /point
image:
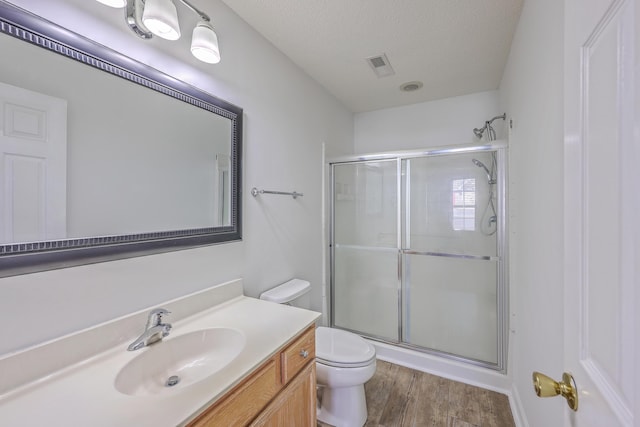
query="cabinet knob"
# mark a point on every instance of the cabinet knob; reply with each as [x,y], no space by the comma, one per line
[304,353]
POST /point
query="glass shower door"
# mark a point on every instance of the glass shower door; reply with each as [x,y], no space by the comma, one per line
[450,260]
[365,280]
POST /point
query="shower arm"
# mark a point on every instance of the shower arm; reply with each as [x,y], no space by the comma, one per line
[503,116]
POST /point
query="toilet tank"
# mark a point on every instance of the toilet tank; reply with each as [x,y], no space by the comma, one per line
[287,291]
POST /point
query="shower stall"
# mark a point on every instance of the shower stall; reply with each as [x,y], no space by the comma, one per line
[417,250]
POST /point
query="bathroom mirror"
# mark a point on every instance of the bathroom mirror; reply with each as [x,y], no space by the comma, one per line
[105,157]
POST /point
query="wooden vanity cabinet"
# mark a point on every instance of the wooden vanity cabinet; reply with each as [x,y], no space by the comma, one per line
[281,392]
[295,406]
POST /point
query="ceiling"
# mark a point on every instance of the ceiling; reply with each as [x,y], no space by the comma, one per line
[454,47]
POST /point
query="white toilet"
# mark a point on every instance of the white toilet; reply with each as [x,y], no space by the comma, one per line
[344,362]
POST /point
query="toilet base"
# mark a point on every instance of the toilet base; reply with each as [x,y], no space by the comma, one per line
[343,406]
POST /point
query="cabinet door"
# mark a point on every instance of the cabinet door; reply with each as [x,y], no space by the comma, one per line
[245,401]
[295,405]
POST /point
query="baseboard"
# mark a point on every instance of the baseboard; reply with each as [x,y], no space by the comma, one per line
[517,409]
[450,369]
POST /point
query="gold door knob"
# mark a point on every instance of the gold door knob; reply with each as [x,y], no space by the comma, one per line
[548,387]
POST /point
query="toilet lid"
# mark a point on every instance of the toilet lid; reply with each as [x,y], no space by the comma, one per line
[335,347]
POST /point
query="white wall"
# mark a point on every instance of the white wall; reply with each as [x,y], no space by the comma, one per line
[448,121]
[288,117]
[532,94]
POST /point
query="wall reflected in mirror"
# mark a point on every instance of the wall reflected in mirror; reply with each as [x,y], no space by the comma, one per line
[87,153]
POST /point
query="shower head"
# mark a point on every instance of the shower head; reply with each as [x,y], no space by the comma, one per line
[481,165]
[491,133]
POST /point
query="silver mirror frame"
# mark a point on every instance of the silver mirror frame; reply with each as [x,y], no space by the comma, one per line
[21,258]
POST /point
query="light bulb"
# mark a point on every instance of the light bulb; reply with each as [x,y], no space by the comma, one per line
[204,43]
[161,18]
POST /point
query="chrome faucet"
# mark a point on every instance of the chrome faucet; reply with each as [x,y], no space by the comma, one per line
[154,331]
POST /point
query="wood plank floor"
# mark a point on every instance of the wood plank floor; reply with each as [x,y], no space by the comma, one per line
[403,397]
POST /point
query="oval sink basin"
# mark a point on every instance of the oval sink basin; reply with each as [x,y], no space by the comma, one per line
[178,362]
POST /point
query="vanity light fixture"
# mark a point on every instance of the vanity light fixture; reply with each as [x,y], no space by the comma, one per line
[147,18]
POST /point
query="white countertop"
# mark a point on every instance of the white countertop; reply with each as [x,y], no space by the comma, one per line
[84,394]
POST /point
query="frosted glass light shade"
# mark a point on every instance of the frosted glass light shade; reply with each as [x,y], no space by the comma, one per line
[204,43]
[161,18]
[114,3]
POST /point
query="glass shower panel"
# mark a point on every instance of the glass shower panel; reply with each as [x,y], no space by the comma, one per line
[450,268]
[365,248]
[366,291]
[450,207]
[451,306]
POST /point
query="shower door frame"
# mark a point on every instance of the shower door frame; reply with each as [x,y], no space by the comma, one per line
[502,288]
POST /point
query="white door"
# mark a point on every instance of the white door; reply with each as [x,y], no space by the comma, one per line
[602,216]
[33,160]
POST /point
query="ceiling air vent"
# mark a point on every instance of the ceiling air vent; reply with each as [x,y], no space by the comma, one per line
[381,65]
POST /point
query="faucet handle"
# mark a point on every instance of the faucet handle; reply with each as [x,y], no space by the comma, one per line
[166,329]
[155,317]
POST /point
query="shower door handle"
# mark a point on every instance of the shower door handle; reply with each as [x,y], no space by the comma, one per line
[449,255]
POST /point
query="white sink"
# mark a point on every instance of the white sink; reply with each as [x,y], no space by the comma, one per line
[180,361]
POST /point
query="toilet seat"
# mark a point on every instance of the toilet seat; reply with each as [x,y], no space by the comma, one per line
[338,348]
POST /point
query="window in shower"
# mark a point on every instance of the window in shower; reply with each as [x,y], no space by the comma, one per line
[463,194]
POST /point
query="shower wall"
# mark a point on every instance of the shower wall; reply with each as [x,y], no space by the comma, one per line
[415,253]
[426,124]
